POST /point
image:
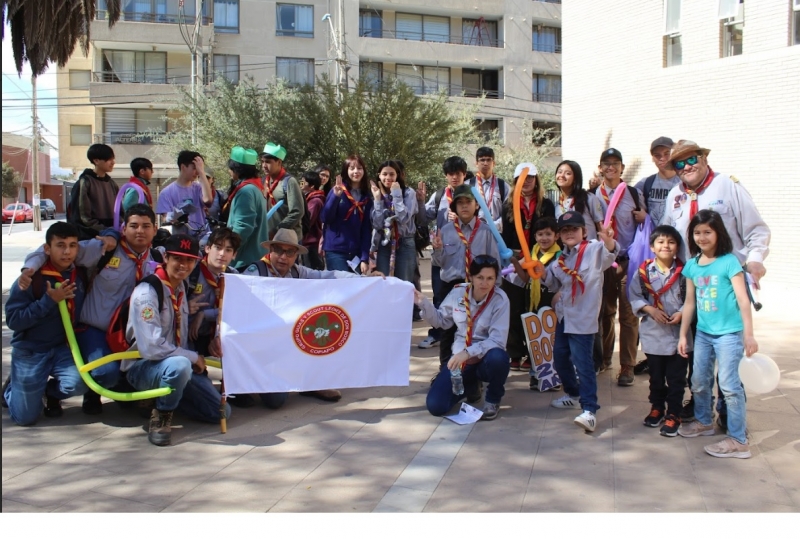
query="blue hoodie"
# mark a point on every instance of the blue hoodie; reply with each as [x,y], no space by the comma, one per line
[352,236]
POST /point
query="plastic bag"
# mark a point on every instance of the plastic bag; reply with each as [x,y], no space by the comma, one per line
[639,251]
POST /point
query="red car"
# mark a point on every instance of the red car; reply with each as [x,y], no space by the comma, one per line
[24,212]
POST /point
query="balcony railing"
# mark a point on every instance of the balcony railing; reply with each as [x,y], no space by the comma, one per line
[124,138]
[547,47]
[150,77]
[549,1]
[547,98]
[167,18]
[432,38]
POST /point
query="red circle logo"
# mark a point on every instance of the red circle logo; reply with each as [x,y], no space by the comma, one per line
[322,330]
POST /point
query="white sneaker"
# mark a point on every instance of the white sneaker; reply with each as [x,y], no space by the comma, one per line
[566,402]
[587,420]
[428,342]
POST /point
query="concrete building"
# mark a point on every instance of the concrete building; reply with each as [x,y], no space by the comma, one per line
[507,50]
[17,153]
[722,73]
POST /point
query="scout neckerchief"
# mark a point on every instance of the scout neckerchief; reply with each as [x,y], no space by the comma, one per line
[694,193]
[355,205]
[227,206]
[528,209]
[492,185]
[576,278]
[606,199]
[50,270]
[176,300]
[448,194]
[270,268]
[657,303]
[211,279]
[273,184]
[140,182]
[544,257]
[566,202]
[467,243]
[470,318]
[137,259]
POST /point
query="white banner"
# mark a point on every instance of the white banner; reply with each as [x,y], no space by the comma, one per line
[307,334]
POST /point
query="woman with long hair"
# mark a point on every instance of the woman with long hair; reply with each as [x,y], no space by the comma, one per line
[572,196]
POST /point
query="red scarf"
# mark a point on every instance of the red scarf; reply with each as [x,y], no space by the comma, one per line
[50,270]
[607,201]
[355,205]
[448,194]
[492,185]
[161,273]
[657,303]
[470,318]
[466,242]
[138,260]
[528,209]
[211,279]
[576,278]
[272,184]
[145,188]
[250,181]
[694,193]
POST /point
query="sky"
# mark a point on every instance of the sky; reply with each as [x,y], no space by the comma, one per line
[17,101]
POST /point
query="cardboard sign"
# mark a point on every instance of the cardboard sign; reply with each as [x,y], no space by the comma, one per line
[540,334]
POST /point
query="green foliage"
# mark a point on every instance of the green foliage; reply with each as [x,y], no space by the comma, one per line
[11,181]
[508,157]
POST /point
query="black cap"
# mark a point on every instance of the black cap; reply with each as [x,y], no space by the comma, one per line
[661,141]
[611,152]
[571,218]
[462,191]
[183,245]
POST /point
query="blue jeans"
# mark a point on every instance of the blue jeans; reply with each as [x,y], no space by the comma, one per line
[336,260]
[492,369]
[273,401]
[93,345]
[727,350]
[573,352]
[29,373]
[436,285]
[405,259]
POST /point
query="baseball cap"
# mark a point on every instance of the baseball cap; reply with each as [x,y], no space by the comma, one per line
[532,171]
[462,191]
[661,141]
[571,218]
[182,245]
[611,152]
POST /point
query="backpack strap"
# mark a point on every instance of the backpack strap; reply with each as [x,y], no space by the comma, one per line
[156,283]
[648,186]
[194,277]
[438,198]
[635,195]
[503,188]
[682,289]
[262,268]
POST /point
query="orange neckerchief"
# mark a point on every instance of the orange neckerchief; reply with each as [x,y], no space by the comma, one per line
[270,267]
[470,318]
[250,181]
[576,278]
[50,270]
[355,205]
[657,303]
[606,199]
[161,273]
[138,260]
[272,184]
[212,279]
[467,243]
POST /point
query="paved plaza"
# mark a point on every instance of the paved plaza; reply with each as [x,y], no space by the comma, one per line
[378,450]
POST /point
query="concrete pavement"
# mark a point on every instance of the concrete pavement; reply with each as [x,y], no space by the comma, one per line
[378,450]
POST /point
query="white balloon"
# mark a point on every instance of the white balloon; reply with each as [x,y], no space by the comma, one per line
[759,373]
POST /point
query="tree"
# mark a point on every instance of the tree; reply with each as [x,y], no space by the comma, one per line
[539,145]
[45,32]
[11,181]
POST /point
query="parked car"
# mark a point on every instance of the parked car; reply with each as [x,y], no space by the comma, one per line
[48,209]
[24,212]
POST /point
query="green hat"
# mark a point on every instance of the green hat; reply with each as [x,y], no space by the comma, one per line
[244,156]
[462,191]
[275,150]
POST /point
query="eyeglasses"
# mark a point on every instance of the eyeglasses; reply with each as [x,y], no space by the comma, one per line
[680,165]
[280,251]
[610,164]
[485,259]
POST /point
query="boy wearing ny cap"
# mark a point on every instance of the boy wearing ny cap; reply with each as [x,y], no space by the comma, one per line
[245,212]
[280,185]
[160,333]
[578,275]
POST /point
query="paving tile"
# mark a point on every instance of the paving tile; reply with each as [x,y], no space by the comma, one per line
[94,502]
[423,473]
[52,484]
[636,491]
[472,492]
[405,499]
[580,489]
[11,506]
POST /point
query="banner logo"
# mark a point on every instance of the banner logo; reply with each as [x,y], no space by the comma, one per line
[322,330]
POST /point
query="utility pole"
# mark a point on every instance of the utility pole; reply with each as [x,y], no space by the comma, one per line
[37,215]
[198,12]
[341,52]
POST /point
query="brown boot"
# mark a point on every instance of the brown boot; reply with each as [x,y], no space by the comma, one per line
[160,431]
[330,395]
[625,377]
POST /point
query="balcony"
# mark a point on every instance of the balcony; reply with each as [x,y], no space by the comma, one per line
[120,92]
[160,18]
[125,138]
[161,76]
[452,39]
[547,98]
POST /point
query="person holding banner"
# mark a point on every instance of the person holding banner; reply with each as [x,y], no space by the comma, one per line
[578,275]
[244,211]
[478,312]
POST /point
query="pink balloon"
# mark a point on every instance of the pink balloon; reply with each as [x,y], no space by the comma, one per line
[612,206]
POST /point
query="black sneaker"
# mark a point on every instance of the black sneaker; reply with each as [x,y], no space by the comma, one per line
[654,418]
[5,385]
[52,407]
[534,385]
[641,367]
[687,412]
[92,405]
[670,426]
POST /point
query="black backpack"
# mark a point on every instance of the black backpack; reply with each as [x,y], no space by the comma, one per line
[118,328]
[74,214]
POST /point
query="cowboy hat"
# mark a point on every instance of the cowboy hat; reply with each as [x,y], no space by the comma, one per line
[686,148]
[285,236]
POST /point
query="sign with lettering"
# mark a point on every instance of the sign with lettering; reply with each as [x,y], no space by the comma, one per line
[540,334]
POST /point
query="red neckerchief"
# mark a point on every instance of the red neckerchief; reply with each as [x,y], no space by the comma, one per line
[138,181]
[50,270]
[250,181]
[355,205]
[492,185]
[317,193]
[657,303]
[272,184]
[448,194]
[606,199]
[270,267]
[467,243]
[161,273]
[138,260]
[694,193]
[211,279]
[528,209]
[576,278]
[470,318]
[562,198]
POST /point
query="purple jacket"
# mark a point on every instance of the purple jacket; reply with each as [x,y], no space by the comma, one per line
[351,236]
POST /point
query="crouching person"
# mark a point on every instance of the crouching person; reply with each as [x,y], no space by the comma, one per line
[480,312]
[159,325]
[39,348]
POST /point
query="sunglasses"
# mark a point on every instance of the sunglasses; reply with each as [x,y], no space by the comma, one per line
[680,165]
[485,259]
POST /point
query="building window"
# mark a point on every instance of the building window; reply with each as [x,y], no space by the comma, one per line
[796,22]
[134,66]
[372,72]
[479,82]
[79,79]
[80,135]
[486,130]
[296,71]
[547,88]
[132,126]
[226,16]
[370,23]
[479,32]
[673,52]
[422,27]
[224,65]
[425,79]
[544,132]
[295,20]
[731,16]
[546,38]
[162,11]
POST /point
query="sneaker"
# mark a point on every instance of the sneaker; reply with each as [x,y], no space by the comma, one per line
[490,411]
[92,405]
[5,386]
[695,429]
[515,362]
[587,420]
[566,402]
[160,431]
[654,418]
[641,367]
[428,342]
[722,423]
[670,427]
[687,412]
[526,365]
[729,448]
[52,407]
[534,384]
[625,377]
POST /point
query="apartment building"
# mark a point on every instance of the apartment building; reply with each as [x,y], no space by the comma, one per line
[723,73]
[508,51]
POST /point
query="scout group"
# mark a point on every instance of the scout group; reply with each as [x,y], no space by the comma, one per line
[136,286]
